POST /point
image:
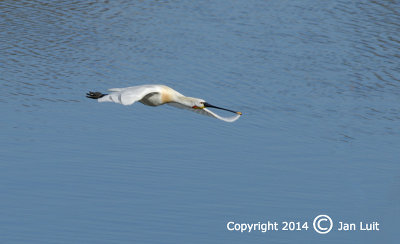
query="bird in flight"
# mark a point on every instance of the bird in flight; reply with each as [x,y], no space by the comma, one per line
[155,95]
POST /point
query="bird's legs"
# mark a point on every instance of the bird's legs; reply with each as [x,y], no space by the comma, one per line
[94,95]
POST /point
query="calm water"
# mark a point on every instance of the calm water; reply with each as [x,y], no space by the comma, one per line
[318,83]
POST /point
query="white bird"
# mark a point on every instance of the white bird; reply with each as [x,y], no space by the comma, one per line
[155,95]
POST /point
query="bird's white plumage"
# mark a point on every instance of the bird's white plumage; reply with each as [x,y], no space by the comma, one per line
[129,95]
[154,95]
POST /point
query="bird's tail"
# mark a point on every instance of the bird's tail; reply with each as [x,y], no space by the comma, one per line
[95,95]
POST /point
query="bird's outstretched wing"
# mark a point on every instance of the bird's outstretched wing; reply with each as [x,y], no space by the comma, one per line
[129,95]
[226,119]
[207,112]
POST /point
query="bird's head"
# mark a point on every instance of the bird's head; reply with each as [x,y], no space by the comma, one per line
[198,103]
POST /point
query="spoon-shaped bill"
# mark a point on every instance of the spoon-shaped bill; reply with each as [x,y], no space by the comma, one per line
[207,105]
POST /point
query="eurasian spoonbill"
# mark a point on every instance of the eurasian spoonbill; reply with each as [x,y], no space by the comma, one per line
[155,95]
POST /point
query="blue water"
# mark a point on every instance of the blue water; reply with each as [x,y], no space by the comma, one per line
[318,84]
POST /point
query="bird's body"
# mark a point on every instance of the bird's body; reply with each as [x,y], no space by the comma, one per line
[155,95]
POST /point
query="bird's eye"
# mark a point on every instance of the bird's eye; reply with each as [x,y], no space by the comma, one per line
[201,102]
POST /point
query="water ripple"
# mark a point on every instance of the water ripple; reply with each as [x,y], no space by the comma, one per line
[319,62]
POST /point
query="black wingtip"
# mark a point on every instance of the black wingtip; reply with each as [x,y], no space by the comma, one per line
[95,95]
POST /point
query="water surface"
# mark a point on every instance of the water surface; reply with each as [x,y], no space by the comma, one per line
[317,82]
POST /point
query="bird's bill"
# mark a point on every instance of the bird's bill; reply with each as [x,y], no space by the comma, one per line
[207,105]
